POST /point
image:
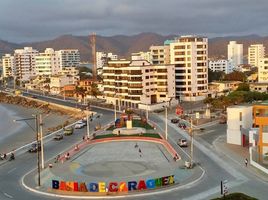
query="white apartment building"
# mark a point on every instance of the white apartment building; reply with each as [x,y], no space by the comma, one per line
[263,70]
[221,66]
[142,56]
[25,63]
[138,84]
[189,54]
[239,117]
[102,58]
[47,63]
[255,53]
[235,53]
[72,71]
[8,65]
[69,57]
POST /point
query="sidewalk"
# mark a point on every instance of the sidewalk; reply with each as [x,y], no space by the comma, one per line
[237,154]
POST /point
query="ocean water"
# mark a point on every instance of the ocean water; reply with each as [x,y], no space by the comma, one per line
[7,125]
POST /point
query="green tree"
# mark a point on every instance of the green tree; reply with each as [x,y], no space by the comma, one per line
[235,76]
[215,76]
[243,87]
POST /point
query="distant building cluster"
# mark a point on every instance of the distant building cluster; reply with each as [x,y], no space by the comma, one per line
[172,72]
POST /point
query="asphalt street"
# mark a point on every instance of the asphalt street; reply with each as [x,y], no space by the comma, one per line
[217,166]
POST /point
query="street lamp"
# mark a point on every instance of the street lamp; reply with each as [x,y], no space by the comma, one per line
[35,117]
[166,124]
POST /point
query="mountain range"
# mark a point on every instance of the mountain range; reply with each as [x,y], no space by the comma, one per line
[124,45]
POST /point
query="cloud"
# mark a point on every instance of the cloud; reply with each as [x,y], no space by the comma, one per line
[30,20]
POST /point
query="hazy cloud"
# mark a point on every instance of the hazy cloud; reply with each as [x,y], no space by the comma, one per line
[30,20]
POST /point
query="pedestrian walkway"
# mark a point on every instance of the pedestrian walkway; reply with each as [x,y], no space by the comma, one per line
[237,154]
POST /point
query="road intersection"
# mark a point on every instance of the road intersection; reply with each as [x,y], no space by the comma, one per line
[216,164]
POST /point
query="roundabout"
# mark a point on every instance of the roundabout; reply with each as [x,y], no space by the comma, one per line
[113,168]
[114,164]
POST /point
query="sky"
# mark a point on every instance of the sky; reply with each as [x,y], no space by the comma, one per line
[36,20]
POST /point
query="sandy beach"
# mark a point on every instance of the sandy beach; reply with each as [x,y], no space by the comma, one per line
[15,134]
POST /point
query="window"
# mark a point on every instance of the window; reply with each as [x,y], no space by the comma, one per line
[240,116]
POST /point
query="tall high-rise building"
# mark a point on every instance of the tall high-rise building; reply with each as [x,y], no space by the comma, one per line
[235,53]
[255,53]
[25,63]
[47,63]
[69,58]
[8,65]
[189,54]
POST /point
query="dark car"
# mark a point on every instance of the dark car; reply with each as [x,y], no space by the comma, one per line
[34,148]
[58,137]
[182,125]
[174,121]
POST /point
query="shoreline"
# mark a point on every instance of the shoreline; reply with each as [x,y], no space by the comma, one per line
[24,133]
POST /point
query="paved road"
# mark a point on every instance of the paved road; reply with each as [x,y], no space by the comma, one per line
[218,167]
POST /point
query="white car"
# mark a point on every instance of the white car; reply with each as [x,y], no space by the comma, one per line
[79,125]
[182,142]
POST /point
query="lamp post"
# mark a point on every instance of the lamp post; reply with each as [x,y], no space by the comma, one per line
[192,142]
[115,111]
[166,129]
[35,117]
[166,125]
[87,125]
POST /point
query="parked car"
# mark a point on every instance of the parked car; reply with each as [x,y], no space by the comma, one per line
[34,148]
[182,142]
[79,125]
[58,137]
[175,121]
[182,125]
[68,131]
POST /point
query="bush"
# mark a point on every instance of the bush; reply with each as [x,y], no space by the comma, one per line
[236,196]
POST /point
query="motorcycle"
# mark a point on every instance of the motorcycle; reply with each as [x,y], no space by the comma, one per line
[12,157]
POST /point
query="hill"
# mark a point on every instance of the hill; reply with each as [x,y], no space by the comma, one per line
[124,45]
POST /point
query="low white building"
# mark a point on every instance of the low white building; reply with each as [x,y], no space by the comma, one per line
[225,66]
[239,118]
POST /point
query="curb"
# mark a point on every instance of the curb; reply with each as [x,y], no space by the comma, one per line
[160,191]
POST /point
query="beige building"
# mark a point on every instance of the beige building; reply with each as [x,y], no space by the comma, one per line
[159,55]
[219,88]
[57,82]
[139,84]
[255,53]
[189,54]
[142,56]
[263,71]
[8,65]
[258,87]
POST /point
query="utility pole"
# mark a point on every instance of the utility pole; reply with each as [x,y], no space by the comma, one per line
[93,51]
[115,111]
[41,141]
[166,128]
[38,152]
